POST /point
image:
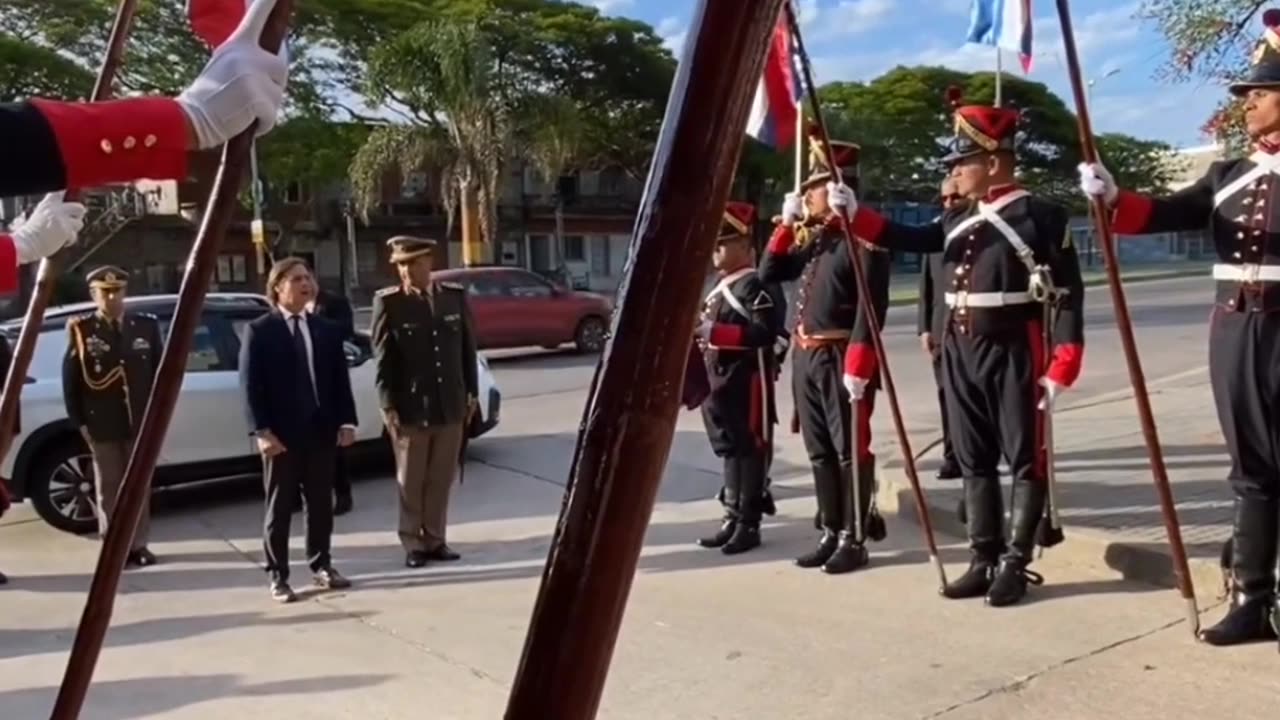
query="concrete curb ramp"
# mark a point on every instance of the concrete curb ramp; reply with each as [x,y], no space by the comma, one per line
[1094,549]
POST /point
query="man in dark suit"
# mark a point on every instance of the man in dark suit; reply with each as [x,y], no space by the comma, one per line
[111,361]
[337,309]
[299,405]
[933,313]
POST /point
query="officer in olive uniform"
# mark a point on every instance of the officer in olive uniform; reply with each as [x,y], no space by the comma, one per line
[741,321]
[427,387]
[111,361]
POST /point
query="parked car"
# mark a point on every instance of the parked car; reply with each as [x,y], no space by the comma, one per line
[50,466]
[513,307]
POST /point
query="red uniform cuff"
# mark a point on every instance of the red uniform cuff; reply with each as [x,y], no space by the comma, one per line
[860,361]
[783,238]
[120,140]
[1065,367]
[867,224]
[1131,213]
[727,335]
[8,265]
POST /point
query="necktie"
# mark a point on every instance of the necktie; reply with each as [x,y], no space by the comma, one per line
[302,370]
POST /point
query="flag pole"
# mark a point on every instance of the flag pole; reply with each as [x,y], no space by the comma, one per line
[799,143]
[999,74]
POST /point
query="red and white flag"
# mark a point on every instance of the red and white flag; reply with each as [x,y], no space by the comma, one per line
[215,20]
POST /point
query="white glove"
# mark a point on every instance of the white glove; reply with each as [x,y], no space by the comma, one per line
[52,225]
[792,208]
[240,84]
[841,198]
[856,386]
[1051,392]
[1096,181]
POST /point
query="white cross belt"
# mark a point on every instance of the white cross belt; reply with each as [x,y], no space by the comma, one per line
[1248,273]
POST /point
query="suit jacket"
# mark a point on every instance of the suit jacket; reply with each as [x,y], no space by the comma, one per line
[933,311]
[268,384]
[337,309]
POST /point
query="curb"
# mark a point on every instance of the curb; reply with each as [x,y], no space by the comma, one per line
[1097,550]
[1093,282]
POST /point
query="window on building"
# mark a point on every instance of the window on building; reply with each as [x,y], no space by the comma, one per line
[600,255]
[613,182]
[231,269]
[295,193]
[575,248]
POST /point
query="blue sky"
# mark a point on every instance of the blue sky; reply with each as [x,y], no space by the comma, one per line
[860,39]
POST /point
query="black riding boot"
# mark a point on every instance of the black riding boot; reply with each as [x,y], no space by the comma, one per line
[984,516]
[1253,562]
[826,480]
[729,499]
[851,552]
[875,529]
[746,535]
[1010,583]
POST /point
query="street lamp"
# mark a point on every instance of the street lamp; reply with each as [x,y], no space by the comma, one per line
[1095,81]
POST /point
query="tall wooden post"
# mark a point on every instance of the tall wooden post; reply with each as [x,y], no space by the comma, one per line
[632,411]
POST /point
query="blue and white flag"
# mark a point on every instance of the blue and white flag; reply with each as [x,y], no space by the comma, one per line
[1004,24]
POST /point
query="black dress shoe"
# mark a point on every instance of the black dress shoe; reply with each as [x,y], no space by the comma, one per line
[1010,583]
[1248,620]
[721,537]
[819,556]
[443,552]
[849,556]
[141,557]
[415,559]
[343,504]
[949,471]
[330,579]
[745,537]
[3,579]
[974,583]
[282,593]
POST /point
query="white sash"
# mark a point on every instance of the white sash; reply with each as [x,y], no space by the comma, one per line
[722,289]
[1263,164]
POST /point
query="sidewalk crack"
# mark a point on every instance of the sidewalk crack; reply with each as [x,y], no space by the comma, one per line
[1020,683]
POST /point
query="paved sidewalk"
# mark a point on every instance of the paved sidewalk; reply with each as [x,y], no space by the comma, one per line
[1110,508]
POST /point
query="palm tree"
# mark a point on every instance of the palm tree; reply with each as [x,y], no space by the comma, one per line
[554,146]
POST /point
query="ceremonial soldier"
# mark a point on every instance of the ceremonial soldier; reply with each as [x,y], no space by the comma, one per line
[50,145]
[1009,264]
[427,386]
[834,364]
[931,325]
[741,320]
[1237,200]
[111,361]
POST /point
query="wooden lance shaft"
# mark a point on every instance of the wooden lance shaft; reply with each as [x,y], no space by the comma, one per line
[1102,220]
[136,488]
[864,293]
[51,267]
[632,414]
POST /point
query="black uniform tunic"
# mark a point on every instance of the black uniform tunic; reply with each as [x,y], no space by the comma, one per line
[1237,200]
[829,322]
[740,348]
[108,371]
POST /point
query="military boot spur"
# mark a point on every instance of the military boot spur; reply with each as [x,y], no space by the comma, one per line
[745,537]
[1010,583]
[1250,618]
[850,555]
[819,556]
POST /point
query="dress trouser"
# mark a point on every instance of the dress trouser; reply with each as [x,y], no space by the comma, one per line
[1244,370]
[341,476]
[948,452]
[825,412]
[734,417]
[426,464]
[110,459]
[305,470]
[992,389]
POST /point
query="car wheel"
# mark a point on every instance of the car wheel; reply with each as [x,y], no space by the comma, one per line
[590,335]
[62,487]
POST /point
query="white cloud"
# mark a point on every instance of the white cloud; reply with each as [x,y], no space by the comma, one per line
[673,34]
[847,18]
[609,7]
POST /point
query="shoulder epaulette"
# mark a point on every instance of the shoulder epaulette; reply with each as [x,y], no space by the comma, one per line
[388,291]
[452,286]
[75,320]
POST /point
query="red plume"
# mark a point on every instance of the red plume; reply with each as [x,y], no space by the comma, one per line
[955,96]
[1271,18]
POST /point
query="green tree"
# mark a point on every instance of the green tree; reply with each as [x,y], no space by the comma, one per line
[1145,166]
[1210,40]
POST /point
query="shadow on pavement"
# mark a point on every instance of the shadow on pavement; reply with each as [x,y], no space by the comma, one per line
[152,696]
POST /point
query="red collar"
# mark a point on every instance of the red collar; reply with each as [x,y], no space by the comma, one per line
[999,191]
[1268,147]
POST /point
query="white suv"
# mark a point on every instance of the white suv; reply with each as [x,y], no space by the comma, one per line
[50,466]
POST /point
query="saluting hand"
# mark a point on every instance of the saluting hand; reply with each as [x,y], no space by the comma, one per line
[792,209]
[51,226]
[842,199]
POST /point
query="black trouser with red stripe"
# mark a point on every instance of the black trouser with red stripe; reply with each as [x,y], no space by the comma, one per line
[825,412]
[734,415]
[1244,369]
[992,389]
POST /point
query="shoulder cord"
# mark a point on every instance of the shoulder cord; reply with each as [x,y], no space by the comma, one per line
[116,373]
